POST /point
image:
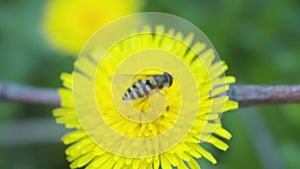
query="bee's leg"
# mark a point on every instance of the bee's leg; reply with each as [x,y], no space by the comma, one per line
[141,101]
[161,92]
[142,109]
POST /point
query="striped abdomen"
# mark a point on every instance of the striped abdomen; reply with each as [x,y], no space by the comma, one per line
[138,89]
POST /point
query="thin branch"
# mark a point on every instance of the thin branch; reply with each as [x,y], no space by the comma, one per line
[250,95]
[246,95]
[28,94]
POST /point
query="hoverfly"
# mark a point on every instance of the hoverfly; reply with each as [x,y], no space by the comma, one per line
[139,90]
[146,85]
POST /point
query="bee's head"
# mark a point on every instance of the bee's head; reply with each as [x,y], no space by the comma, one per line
[169,78]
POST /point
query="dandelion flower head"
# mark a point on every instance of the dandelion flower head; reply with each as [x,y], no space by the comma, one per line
[166,129]
[68,24]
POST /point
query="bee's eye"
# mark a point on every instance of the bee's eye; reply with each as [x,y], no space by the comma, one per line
[169,77]
[171,81]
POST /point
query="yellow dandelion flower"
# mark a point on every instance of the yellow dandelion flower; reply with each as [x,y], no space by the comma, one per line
[163,129]
[68,24]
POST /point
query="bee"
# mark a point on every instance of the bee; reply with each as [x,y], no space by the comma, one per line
[144,87]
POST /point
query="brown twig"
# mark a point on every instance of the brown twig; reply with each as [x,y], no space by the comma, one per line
[246,95]
[250,95]
[27,94]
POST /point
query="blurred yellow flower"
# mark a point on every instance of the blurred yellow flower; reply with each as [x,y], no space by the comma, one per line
[68,24]
[206,127]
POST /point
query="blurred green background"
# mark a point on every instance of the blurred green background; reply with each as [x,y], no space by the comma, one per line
[259,39]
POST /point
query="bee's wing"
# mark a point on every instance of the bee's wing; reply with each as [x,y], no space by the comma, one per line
[125,78]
